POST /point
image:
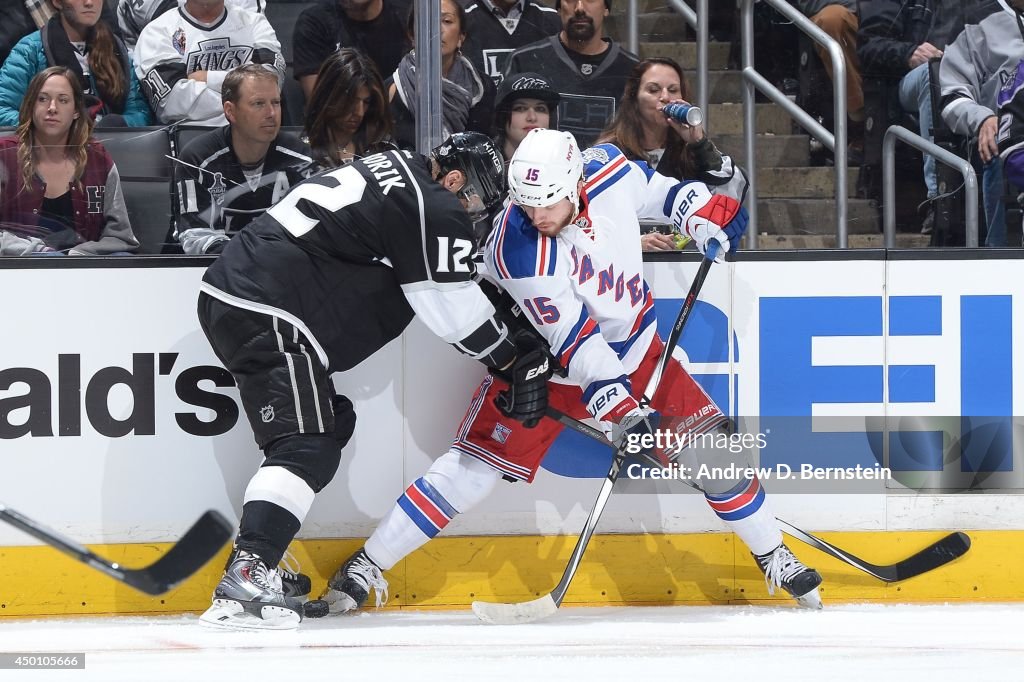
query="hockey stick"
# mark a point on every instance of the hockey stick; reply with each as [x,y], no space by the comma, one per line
[542,607]
[933,556]
[199,544]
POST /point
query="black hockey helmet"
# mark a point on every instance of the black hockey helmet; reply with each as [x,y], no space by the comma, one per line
[476,156]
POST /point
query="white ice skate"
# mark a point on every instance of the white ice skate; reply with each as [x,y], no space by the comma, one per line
[250,596]
[350,586]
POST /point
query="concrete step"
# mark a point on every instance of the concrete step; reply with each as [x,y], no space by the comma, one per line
[727,119]
[802,183]
[814,217]
[856,241]
[686,53]
[726,86]
[653,26]
[772,150]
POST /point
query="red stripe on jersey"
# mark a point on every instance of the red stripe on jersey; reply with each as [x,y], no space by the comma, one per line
[606,171]
[566,356]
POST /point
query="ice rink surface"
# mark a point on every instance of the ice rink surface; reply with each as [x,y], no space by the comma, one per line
[867,643]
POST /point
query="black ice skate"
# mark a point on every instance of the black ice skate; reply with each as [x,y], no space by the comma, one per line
[350,586]
[295,584]
[250,595]
[782,569]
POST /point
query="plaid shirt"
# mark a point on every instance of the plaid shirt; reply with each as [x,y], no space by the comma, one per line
[41,11]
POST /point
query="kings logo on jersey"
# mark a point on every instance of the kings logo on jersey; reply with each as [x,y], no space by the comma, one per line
[218,54]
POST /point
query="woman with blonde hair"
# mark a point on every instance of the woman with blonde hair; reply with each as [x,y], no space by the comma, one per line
[347,114]
[643,132]
[59,190]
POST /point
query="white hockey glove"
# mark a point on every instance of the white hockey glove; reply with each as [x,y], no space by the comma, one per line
[624,422]
[705,216]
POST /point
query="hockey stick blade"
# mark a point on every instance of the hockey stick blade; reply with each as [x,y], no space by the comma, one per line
[933,556]
[515,614]
[199,544]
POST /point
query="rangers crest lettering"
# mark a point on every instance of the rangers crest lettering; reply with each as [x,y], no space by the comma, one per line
[217,54]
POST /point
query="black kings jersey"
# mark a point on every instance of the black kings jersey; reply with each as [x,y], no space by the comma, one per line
[347,251]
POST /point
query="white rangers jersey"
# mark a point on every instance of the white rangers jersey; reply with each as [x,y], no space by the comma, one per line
[584,290]
[175,45]
[133,15]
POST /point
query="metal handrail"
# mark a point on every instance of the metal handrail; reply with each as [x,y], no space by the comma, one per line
[698,21]
[752,79]
[896,132]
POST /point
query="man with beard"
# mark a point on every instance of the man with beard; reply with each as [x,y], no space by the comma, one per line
[496,28]
[587,69]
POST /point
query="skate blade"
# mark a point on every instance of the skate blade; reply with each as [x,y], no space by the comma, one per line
[338,602]
[811,600]
[227,613]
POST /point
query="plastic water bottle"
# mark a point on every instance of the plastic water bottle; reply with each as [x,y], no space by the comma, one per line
[684,113]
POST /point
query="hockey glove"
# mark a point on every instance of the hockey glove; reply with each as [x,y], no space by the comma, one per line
[705,216]
[621,417]
[526,399]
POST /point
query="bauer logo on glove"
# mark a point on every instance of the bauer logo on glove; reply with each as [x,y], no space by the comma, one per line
[704,216]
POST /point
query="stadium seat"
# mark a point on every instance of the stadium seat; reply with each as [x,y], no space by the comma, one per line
[149,210]
[138,152]
[184,134]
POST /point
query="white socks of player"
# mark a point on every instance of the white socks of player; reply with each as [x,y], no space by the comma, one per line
[453,484]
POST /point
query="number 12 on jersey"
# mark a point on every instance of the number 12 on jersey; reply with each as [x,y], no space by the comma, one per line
[542,310]
[455,257]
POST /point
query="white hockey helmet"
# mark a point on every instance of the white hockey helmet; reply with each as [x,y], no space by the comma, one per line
[546,167]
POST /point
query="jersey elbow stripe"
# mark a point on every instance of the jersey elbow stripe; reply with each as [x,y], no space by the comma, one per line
[605,173]
[594,192]
[583,330]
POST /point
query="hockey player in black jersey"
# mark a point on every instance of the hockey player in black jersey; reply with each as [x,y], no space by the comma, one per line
[316,285]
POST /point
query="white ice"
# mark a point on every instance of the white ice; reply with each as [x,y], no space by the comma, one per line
[866,643]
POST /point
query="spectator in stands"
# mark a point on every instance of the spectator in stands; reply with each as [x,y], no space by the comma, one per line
[495,28]
[588,69]
[21,17]
[183,56]
[897,41]
[348,114]
[467,94]
[377,27]
[228,176]
[58,187]
[525,101]
[77,37]
[840,20]
[977,61]
[133,15]
[644,133]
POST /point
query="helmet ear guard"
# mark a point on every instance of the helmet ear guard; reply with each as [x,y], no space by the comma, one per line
[546,168]
[476,157]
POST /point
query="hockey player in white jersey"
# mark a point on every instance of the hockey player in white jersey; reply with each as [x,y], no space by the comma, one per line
[183,55]
[567,251]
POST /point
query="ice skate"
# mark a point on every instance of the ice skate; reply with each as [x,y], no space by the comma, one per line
[250,595]
[295,584]
[350,586]
[782,569]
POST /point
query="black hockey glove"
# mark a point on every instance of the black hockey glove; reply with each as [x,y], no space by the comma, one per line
[526,399]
